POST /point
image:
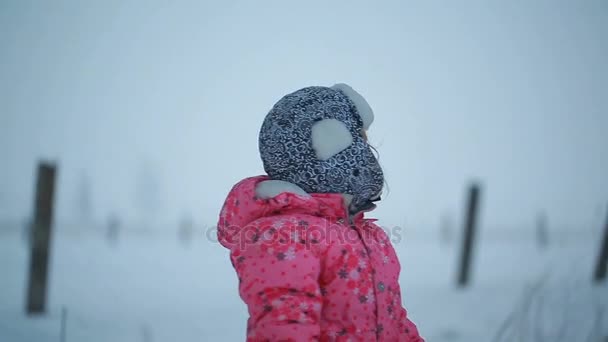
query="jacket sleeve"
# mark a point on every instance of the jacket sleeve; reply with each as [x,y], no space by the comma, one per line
[278,281]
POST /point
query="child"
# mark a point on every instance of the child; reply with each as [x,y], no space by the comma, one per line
[310,266]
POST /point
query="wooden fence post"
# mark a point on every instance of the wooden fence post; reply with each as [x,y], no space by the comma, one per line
[186,230]
[113,229]
[542,231]
[41,238]
[470,224]
[63,332]
[602,259]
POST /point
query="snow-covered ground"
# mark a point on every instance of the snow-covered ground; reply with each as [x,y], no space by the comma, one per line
[149,286]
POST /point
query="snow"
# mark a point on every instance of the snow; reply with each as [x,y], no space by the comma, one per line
[151,286]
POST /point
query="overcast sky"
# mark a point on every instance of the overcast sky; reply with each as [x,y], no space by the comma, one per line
[512,94]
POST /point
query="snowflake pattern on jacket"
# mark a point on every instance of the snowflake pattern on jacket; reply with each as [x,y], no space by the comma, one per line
[305,274]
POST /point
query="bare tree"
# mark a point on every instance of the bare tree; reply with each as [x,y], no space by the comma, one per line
[446,234]
[186,229]
[83,199]
[542,230]
[113,228]
[148,191]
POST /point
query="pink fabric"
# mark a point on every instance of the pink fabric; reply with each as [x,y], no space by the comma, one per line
[306,275]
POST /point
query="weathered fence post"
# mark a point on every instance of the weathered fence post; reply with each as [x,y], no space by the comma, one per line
[41,238]
[186,228]
[542,232]
[113,229]
[470,224]
[146,333]
[602,259]
[64,323]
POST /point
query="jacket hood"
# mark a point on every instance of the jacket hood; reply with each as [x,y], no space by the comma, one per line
[314,138]
[242,206]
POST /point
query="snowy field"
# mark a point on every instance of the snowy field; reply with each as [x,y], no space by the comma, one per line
[151,287]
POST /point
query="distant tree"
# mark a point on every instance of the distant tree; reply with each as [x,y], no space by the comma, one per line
[113,228]
[186,229]
[542,230]
[148,191]
[446,234]
[146,333]
[84,203]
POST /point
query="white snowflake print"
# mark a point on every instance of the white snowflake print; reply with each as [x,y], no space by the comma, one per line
[295,236]
[277,303]
[385,259]
[362,263]
[316,306]
[370,296]
[267,236]
[278,224]
[354,274]
[290,254]
[356,290]
[282,317]
[304,306]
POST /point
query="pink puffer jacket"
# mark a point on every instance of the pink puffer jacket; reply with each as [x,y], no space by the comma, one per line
[306,275]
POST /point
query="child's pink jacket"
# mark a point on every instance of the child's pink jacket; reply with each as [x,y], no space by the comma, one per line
[306,275]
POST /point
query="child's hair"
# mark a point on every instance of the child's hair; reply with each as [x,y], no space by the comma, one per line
[377,155]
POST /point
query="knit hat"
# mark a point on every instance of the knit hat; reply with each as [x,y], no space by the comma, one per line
[314,138]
